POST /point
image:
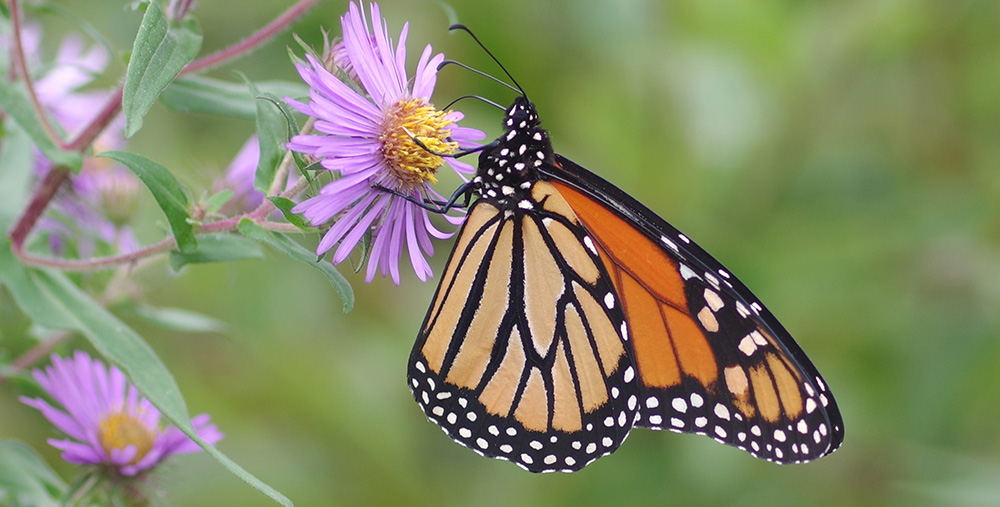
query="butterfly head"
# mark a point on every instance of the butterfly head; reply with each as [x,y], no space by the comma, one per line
[515,156]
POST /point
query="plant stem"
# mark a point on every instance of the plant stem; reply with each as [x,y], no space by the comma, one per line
[39,201]
[58,175]
[22,65]
[246,45]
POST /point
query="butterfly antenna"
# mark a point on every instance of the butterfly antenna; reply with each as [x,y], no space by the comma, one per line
[466,29]
[477,97]
[477,71]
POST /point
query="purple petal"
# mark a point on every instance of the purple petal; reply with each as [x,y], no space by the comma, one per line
[77,453]
[420,265]
[61,420]
[341,227]
[425,77]
[360,228]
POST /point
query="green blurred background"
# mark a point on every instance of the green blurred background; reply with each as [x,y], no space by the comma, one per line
[841,157]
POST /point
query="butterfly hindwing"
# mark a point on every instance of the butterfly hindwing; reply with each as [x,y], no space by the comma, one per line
[521,355]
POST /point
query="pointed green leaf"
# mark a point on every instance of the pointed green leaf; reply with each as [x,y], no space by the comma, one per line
[271,139]
[291,126]
[25,478]
[160,52]
[217,248]
[217,200]
[287,246]
[14,101]
[179,319]
[296,219]
[205,95]
[166,190]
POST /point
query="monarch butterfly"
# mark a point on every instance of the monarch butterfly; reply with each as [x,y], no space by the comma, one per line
[569,313]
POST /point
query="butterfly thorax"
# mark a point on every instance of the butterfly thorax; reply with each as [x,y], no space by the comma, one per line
[508,169]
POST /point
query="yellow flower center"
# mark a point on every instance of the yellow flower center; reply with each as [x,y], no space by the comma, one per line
[411,164]
[119,431]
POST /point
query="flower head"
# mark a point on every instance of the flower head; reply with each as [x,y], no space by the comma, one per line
[108,422]
[368,139]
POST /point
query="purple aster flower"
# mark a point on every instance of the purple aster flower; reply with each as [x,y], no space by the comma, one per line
[367,139]
[108,422]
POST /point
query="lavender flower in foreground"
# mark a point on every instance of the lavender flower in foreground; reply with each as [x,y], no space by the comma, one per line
[108,422]
[368,140]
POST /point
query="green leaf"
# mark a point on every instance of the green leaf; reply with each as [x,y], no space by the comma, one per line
[14,101]
[166,190]
[287,246]
[205,95]
[296,219]
[52,300]
[216,248]
[291,128]
[25,478]
[160,52]
[36,304]
[271,138]
[217,200]
[179,319]
[16,171]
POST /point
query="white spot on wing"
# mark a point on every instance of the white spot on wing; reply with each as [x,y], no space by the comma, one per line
[742,309]
[696,400]
[679,405]
[714,301]
[687,273]
[671,244]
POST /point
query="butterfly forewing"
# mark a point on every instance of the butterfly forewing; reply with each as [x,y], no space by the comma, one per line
[711,359]
[521,355]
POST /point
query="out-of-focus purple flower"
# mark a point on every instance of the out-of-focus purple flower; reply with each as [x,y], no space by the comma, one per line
[239,178]
[106,419]
[367,139]
[100,200]
[240,175]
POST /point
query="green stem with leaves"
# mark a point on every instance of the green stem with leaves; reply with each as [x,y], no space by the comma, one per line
[57,176]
